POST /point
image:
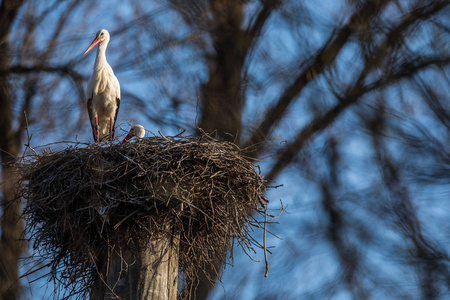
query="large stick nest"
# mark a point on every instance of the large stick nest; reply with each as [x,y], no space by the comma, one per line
[85,198]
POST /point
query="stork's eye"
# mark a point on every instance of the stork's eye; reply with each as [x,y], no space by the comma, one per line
[101,33]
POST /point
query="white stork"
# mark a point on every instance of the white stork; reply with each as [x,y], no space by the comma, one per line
[137,131]
[103,91]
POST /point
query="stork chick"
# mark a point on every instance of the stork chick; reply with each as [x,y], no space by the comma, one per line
[136,130]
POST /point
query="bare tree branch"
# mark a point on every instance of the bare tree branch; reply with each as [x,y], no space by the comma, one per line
[254,29]
[352,96]
[427,256]
[316,65]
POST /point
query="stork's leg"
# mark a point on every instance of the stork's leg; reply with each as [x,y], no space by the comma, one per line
[97,132]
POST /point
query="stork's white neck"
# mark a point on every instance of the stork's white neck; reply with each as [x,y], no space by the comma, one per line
[100,59]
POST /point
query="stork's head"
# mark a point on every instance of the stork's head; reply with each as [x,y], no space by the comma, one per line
[137,131]
[102,37]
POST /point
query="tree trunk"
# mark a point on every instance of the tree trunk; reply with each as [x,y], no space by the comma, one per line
[12,228]
[11,223]
[221,110]
[151,273]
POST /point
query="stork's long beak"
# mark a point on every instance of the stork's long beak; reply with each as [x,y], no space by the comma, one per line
[127,138]
[94,42]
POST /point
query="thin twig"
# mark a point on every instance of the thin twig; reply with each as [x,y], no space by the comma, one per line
[264,241]
[28,144]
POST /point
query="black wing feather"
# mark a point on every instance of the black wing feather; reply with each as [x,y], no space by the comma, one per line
[91,117]
[115,117]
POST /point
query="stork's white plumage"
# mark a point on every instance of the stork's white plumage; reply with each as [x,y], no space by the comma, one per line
[137,131]
[103,91]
